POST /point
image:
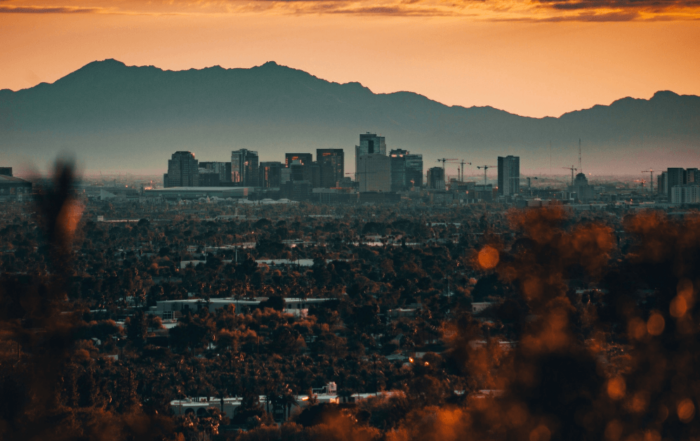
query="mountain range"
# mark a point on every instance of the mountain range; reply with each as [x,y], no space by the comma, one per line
[114,117]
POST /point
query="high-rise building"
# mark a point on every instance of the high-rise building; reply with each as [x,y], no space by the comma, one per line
[414,171]
[370,144]
[244,168]
[208,178]
[374,172]
[332,165]
[298,170]
[398,169]
[312,173]
[436,178]
[270,174]
[508,175]
[305,158]
[183,171]
[222,169]
[661,183]
[692,176]
[674,177]
[584,192]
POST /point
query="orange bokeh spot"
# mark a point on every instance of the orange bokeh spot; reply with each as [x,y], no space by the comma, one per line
[616,388]
[678,307]
[69,217]
[637,328]
[652,435]
[488,257]
[518,415]
[686,410]
[613,430]
[540,433]
[656,324]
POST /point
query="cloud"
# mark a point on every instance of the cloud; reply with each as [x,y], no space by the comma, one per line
[46,10]
[650,5]
[487,10]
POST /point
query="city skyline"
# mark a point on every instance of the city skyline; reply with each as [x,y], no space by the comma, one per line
[350,220]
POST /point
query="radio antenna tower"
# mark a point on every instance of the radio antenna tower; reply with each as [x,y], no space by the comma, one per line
[580,167]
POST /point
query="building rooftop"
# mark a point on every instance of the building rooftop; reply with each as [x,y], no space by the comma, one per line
[12,179]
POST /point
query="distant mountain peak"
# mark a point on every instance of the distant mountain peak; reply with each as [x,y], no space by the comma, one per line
[665,94]
[108,62]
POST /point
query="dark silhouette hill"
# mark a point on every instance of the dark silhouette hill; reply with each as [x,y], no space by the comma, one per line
[117,117]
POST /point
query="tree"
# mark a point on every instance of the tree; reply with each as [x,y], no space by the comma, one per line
[137,328]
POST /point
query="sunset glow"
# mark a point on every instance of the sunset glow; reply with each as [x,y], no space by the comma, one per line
[533,58]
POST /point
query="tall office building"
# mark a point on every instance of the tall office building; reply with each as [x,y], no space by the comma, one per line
[584,192]
[270,174]
[183,171]
[299,171]
[222,169]
[674,177]
[244,168]
[208,178]
[332,166]
[661,183]
[370,144]
[374,172]
[508,175]
[305,158]
[414,171]
[692,176]
[436,178]
[398,169]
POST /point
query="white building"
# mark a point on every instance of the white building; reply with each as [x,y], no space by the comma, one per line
[685,194]
[229,406]
[172,309]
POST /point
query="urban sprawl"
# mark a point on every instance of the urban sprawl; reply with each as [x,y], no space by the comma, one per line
[246,300]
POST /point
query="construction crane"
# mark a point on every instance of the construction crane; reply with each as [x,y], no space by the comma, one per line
[573,169]
[485,167]
[651,179]
[461,178]
[444,160]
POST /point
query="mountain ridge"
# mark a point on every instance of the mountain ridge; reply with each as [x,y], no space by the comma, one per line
[274,108]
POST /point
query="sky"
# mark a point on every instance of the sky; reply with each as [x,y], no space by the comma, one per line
[533,58]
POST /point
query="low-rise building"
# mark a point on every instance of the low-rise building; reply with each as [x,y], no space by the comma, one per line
[685,194]
[198,192]
[172,309]
[13,188]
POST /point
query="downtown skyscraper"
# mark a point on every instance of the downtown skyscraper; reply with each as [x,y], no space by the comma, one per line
[183,171]
[508,175]
[244,168]
[331,163]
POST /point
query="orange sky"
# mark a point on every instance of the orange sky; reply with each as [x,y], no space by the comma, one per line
[534,58]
